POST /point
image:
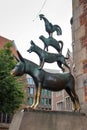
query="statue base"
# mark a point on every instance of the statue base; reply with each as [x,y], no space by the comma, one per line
[48,120]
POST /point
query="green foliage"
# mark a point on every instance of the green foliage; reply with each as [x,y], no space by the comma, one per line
[11,95]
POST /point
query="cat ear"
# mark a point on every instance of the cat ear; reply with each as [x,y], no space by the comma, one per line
[32,43]
[16,58]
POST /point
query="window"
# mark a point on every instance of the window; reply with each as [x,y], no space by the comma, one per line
[43,92]
[30,81]
[68,104]
[47,101]
[30,90]
[60,106]
[44,101]
[48,93]
[50,101]
[30,100]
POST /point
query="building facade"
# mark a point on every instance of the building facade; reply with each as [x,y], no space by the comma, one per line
[79,57]
[79,45]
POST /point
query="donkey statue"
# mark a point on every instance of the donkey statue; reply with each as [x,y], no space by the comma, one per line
[46,80]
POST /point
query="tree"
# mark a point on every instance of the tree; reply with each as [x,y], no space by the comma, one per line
[11,94]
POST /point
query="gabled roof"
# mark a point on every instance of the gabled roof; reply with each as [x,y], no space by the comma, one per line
[3,41]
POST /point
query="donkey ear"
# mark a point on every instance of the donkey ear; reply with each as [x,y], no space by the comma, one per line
[20,56]
[16,58]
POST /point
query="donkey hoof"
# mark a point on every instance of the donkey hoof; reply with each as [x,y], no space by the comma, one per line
[79,110]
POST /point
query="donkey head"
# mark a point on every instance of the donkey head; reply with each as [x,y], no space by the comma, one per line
[19,68]
[32,47]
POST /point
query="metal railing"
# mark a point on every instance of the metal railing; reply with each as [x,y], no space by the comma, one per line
[5,118]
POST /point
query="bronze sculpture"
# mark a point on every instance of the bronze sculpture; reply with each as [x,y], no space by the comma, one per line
[45,80]
[49,27]
[48,57]
[50,41]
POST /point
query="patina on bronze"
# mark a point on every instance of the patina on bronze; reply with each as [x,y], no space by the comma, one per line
[49,27]
[48,57]
[50,41]
[45,80]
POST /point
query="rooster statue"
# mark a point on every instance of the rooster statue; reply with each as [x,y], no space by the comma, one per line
[49,27]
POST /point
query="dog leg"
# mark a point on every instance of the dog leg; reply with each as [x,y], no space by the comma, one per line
[41,64]
[60,65]
[35,99]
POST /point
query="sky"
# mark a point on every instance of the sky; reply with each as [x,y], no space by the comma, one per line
[19,21]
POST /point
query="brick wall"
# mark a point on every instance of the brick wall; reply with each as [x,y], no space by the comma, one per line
[3,41]
[79,43]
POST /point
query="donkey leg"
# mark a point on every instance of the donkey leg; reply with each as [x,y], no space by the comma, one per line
[35,99]
[78,103]
[72,98]
[38,96]
[78,107]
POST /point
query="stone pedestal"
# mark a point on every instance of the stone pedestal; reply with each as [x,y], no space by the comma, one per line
[48,120]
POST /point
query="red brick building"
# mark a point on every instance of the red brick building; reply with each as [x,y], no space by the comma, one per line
[79,54]
[79,44]
[3,41]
